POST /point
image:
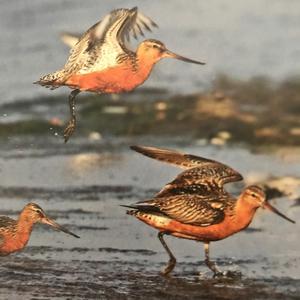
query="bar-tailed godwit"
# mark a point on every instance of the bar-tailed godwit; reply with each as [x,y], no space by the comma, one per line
[14,234]
[195,204]
[102,62]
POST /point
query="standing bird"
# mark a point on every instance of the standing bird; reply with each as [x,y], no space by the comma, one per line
[14,235]
[195,205]
[101,61]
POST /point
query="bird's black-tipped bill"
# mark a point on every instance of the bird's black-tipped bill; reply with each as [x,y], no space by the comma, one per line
[171,54]
[276,211]
[58,227]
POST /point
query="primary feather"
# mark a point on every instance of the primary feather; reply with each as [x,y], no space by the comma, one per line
[202,176]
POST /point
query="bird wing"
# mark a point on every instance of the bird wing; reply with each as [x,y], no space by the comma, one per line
[188,209]
[100,46]
[70,39]
[206,181]
[6,224]
[184,161]
[202,176]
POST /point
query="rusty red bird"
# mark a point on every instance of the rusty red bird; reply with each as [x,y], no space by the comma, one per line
[14,234]
[101,61]
[196,206]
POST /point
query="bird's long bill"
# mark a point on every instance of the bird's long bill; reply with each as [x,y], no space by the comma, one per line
[171,54]
[50,222]
[276,211]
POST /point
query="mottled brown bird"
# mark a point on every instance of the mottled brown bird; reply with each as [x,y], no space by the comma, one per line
[14,234]
[102,62]
[195,205]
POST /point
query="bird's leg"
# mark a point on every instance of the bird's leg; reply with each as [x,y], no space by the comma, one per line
[72,122]
[172,259]
[209,263]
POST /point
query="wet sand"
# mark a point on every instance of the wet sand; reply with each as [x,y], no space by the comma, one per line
[83,183]
[82,186]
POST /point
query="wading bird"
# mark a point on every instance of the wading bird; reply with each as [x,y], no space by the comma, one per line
[195,205]
[14,235]
[101,61]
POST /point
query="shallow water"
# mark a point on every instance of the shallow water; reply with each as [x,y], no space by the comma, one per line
[83,183]
[82,186]
[241,38]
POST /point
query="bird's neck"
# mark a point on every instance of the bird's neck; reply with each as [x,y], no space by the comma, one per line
[24,227]
[243,213]
[18,236]
[145,65]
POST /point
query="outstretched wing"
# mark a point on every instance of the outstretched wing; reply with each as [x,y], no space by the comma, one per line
[188,209]
[203,177]
[184,161]
[100,46]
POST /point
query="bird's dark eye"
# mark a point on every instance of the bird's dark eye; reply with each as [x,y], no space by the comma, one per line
[155,46]
[253,195]
[39,212]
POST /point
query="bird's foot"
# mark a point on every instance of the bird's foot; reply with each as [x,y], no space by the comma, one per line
[169,268]
[219,274]
[69,130]
[233,274]
[228,274]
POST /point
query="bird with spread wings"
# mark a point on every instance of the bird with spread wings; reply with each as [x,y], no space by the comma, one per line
[102,62]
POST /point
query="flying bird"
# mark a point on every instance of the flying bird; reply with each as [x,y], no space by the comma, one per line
[102,62]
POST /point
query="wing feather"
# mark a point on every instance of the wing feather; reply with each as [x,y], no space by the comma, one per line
[188,209]
[202,176]
[196,196]
[5,223]
[100,46]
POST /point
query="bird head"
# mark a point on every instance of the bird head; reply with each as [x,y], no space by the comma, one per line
[36,214]
[154,50]
[256,197]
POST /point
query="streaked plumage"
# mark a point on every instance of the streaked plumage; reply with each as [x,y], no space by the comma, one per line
[14,234]
[187,208]
[101,45]
[203,176]
[195,205]
[102,62]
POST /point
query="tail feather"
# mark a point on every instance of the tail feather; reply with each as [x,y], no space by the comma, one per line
[129,206]
[143,208]
[52,80]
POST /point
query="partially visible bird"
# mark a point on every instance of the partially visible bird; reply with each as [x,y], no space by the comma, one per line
[14,234]
[195,204]
[102,62]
